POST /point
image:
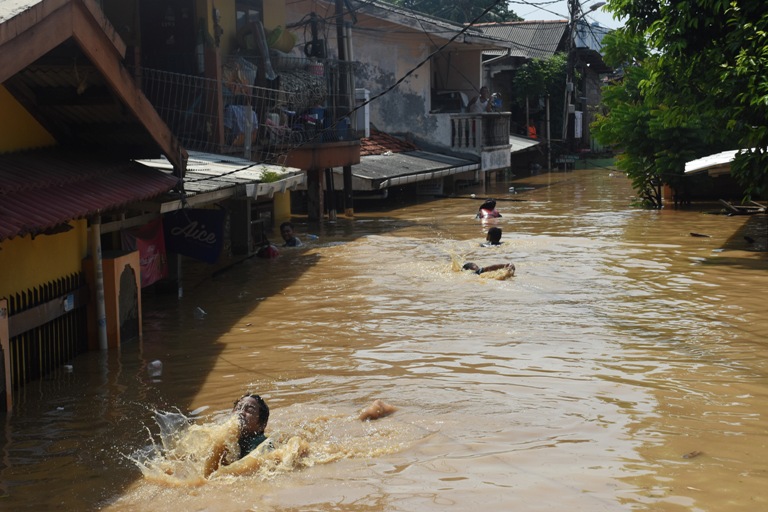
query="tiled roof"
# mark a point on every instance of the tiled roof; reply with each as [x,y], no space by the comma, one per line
[379,143]
[43,189]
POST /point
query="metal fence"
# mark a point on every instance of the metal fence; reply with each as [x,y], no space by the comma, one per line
[47,327]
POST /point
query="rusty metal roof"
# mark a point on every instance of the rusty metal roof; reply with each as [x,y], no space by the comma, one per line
[379,143]
[41,190]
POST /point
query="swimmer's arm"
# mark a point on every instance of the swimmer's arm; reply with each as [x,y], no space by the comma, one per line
[248,464]
[264,453]
[499,266]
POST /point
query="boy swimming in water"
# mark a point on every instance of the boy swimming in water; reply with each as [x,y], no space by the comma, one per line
[474,267]
[493,238]
[255,448]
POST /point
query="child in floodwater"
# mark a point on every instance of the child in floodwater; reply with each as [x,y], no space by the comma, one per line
[493,238]
[254,448]
[487,210]
[508,268]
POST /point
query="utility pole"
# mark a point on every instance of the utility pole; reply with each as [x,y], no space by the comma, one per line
[574,16]
[573,7]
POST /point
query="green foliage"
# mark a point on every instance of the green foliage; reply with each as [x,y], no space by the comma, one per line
[270,176]
[461,11]
[539,77]
[695,84]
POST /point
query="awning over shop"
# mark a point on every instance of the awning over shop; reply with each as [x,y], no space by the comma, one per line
[715,165]
[378,172]
[522,143]
[212,177]
[40,191]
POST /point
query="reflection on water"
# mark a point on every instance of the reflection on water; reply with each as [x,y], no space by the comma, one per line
[621,345]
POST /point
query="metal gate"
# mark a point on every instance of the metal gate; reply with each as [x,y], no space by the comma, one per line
[44,327]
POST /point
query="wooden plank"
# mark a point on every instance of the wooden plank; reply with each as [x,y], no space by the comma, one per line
[36,37]
[5,344]
[41,314]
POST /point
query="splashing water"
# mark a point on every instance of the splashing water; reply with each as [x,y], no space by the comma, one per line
[192,454]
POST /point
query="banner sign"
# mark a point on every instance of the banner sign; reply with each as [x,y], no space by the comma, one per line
[148,240]
[197,233]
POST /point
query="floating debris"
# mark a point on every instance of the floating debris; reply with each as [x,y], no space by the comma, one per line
[692,455]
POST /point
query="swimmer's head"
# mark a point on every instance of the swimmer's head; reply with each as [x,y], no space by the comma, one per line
[470,266]
[253,414]
[489,204]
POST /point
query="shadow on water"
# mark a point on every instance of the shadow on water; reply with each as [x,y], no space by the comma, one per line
[111,399]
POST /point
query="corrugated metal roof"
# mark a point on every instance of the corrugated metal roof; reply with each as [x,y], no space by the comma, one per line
[531,39]
[43,189]
[224,175]
[522,143]
[377,172]
[715,165]
[434,28]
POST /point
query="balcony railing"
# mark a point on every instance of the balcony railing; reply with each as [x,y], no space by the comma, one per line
[262,124]
[474,133]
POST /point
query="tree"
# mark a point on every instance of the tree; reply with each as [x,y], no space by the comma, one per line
[695,83]
[539,78]
[461,11]
[655,139]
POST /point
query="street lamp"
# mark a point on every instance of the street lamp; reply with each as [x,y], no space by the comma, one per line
[573,15]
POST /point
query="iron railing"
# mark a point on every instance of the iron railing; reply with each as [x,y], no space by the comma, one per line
[309,104]
[476,132]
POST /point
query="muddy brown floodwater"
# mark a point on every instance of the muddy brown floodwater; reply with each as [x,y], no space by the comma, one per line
[623,367]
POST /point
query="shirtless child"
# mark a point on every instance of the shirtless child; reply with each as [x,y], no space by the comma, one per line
[254,448]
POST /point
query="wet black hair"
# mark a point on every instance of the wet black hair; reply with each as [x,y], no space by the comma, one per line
[489,204]
[263,407]
[494,234]
[286,223]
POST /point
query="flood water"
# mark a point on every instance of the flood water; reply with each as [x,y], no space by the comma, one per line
[623,367]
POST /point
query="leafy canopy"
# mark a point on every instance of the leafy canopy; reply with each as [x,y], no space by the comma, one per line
[695,83]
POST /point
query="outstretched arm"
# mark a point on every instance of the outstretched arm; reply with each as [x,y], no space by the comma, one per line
[500,266]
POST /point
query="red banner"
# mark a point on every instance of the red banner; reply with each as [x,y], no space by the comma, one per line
[149,241]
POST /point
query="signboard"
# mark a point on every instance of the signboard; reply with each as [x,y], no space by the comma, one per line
[197,233]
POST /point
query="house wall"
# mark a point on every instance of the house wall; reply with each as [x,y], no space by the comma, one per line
[18,129]
[404,109]
[384,53]
[30,260]
[42,259]
[447,77]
